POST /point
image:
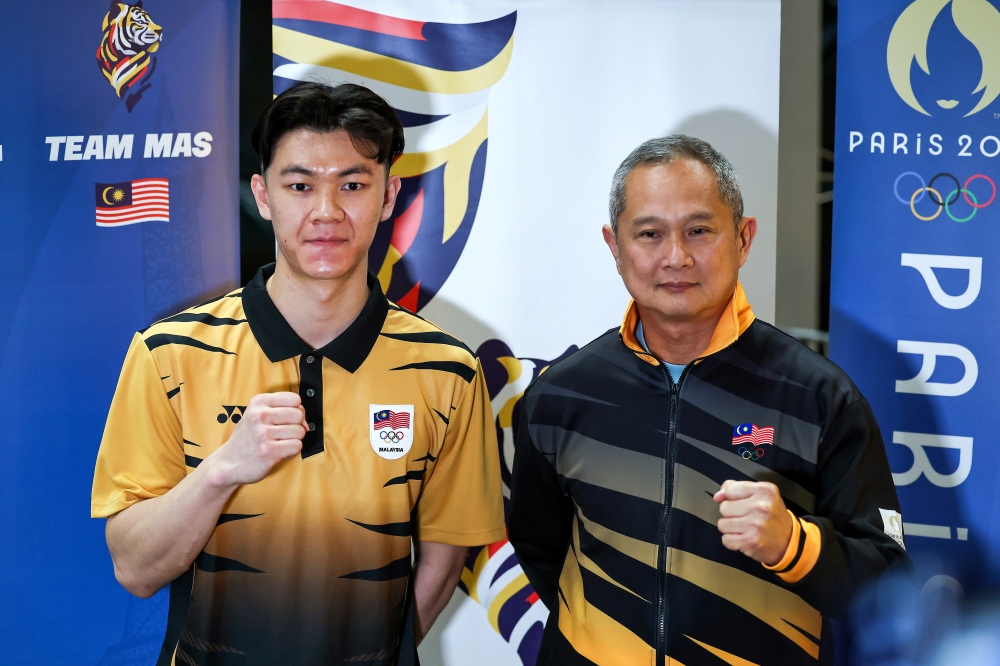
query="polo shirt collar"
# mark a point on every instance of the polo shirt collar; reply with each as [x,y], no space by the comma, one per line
[279,342]
[735,320]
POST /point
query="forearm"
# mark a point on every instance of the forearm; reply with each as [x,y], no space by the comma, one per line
[154,541]
[438,570]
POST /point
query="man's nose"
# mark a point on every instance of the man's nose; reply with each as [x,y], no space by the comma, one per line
[328,207]
[675,254]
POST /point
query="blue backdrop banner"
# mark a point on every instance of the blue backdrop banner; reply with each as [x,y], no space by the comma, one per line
[916,244]
[118,205]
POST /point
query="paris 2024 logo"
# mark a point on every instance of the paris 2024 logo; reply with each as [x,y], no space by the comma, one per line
[978,21]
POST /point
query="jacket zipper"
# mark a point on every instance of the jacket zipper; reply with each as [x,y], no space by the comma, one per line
[661,569]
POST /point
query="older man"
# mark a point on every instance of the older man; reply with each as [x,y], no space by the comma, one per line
[695,487]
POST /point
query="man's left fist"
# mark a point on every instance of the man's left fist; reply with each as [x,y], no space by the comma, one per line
[754,520]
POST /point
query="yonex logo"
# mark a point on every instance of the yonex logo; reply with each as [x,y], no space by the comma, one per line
[232,413]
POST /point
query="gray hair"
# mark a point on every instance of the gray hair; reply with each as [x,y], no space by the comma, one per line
[664,151]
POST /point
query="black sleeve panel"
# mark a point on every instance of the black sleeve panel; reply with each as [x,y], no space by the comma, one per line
[540,517]
[854,482]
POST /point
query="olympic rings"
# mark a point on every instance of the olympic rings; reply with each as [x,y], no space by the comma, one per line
[944,203]
[392,436]
[992,184]
[747,454]
[975,208]
[914,210]
[946,175]
[895,186]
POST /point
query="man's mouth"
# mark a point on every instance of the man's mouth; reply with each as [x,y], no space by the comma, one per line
[678,287]
[326,242]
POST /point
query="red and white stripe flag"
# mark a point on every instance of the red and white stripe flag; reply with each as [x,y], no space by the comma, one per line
[143,200]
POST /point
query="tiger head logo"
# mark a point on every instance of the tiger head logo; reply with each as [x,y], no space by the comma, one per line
[125,54]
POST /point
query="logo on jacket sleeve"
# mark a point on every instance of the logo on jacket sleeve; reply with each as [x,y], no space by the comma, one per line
[751,438]
[391,430]
[892,524]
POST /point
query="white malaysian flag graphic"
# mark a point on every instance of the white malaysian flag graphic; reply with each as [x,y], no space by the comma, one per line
[143,200]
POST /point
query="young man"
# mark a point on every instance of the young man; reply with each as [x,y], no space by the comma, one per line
[693,419]
[272,453]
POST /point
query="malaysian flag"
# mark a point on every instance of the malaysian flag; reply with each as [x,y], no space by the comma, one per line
[390,419]
[749,433]
[143,200]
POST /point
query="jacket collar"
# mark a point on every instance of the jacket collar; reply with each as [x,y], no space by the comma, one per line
[279,342]
[735,320]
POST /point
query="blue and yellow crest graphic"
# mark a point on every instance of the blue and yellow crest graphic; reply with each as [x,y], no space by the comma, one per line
[977,20]
[492,575]
[438,77]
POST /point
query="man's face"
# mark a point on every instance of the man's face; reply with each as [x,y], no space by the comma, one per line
[677,248]
[325,201]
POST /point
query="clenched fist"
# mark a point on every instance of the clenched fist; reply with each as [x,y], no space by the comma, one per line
[270,431]
[754,520]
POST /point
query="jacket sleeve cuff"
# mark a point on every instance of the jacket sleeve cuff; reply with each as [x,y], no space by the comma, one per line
[802,553]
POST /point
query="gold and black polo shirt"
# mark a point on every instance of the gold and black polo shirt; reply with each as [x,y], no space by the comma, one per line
[312,564]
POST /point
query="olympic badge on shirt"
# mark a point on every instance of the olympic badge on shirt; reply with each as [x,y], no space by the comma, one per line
[391,430]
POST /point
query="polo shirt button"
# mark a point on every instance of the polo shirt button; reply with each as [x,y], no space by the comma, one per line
[310,359]
[310,393]
[312,426]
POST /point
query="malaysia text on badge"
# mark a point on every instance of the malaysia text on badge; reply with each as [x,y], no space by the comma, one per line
[390,430]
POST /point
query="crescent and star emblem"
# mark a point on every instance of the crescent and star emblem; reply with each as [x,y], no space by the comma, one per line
[104,195]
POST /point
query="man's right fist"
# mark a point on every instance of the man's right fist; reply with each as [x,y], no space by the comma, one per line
[270,431]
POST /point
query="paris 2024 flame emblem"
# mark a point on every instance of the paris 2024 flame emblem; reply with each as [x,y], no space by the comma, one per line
[125,55]
[977,20]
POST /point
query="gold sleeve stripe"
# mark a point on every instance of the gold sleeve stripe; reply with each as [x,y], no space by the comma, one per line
[810,553]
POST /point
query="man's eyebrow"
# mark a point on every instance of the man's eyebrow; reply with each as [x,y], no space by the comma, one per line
[295,168]
[700,215]
[363,169]
[693,217]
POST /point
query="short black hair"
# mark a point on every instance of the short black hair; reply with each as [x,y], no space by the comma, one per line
[368,119]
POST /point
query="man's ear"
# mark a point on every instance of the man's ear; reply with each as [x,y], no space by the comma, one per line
[392,187]
[259,189]
[612,241]
[745,234]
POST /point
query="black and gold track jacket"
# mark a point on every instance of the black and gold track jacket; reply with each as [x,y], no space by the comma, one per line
[612,516]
